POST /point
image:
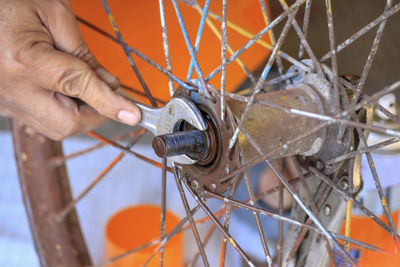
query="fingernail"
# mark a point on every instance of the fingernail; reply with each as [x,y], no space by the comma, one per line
[128,117]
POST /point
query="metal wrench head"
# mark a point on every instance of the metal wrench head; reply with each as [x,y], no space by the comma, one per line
[165,120]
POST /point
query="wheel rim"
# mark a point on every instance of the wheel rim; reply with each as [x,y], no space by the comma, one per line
[341,108]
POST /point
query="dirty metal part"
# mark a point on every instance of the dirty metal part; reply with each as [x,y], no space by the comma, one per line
[46,191]
[192,143]
[168,119]
[219,162]
[324,89]
[272,127]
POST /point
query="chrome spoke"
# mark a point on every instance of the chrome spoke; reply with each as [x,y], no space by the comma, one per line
[378,185]
[220,226]
[304,42]
[262,211]
[347,195]
[69,207]
[388,13]
[227,220]
[361,151]
[163,205]
[224,41]
[306,23]
[332,45]
[256,37]
[138,54]
[191,220]
[198,36]
[263,76]
[260,229]
[371,55]
[166,45]
[127,150]
[127,54]
[271,34]
[189,45]
[56,161]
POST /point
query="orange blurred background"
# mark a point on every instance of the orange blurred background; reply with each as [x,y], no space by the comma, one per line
[139,23]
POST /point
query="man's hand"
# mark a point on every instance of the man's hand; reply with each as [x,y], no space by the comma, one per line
[46,67]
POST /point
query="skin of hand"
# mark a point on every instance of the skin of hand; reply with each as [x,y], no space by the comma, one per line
[49,80]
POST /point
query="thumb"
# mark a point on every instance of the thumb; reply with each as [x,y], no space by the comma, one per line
[71,76]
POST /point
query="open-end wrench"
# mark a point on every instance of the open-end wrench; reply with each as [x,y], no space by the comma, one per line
[166,120]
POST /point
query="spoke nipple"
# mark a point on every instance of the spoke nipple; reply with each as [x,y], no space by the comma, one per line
[327,210]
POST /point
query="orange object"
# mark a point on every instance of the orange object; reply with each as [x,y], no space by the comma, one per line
[138,225]
[139,22]
[365,229]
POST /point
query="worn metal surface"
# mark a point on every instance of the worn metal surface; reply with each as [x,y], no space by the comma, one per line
[165,120]
[45,192]
[271,127]
[192,143]
[220,160]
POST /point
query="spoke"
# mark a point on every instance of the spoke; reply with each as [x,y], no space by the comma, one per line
[57,160]
[61,216]
[302,234]
[279,248]
[138,54]
[271,34]
[64,212]
[205,241]
[257,219]
[166,46]
[370,59]
[378,186]
[224,41]
[363,150]
[390,115]
[388,13]
[230,50]
[254,162]
[189,45]
[176,230]
[127,150]
[377,129]
[242,205]
[220,226]
[313,217]
[263,77]
[227,219]
[373,98]
[310,213]
[306,23]
[347,195]
[125,88]
[127,54]
[192,222]
[371,55]
[204,14]
[163,205]
[332,45]
[304,42]
[256,37]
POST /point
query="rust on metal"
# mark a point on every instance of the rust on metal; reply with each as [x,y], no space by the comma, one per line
[46,191]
